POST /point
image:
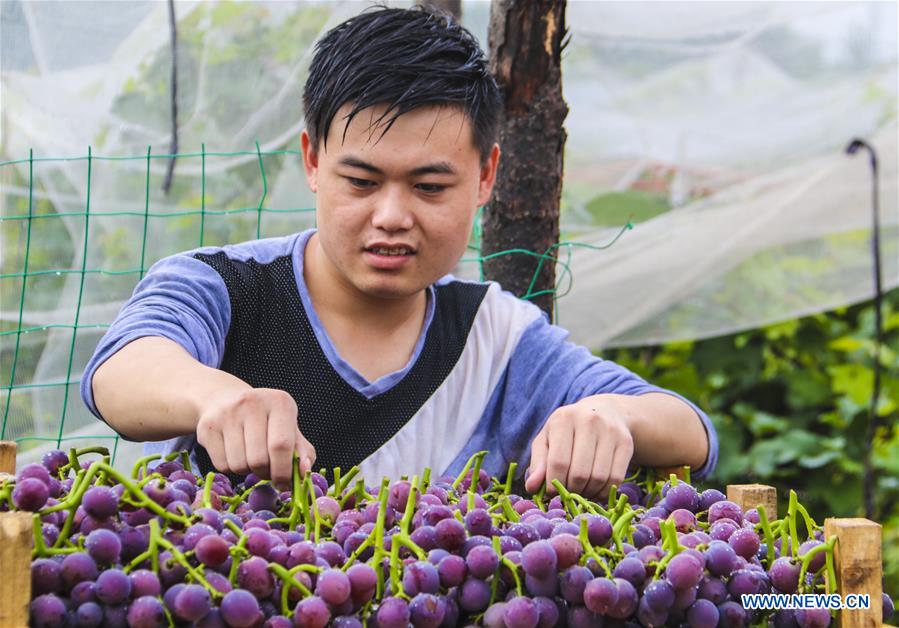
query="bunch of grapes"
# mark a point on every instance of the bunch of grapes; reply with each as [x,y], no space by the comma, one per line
[165,547]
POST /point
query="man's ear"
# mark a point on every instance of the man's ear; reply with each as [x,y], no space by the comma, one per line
[310,161]
[488,176]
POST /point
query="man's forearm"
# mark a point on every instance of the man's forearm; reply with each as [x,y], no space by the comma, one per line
[666,431]
[152,389]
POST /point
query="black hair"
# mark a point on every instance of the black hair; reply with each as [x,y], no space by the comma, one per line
[404,58]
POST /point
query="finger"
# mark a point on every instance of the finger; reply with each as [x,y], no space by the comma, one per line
[305,452]
[587,443]
[602,465]
[558,460]
[282,430]
[256,446]
[620,461]
[235,452]
[537,472]
[211,439]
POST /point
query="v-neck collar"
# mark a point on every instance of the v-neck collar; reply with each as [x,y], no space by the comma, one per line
[343,368]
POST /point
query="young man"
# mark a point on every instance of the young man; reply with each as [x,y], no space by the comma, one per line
[350,344]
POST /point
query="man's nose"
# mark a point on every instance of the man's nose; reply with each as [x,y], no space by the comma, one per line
[392,210]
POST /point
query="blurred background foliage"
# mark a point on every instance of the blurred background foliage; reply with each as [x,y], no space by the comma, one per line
[790,402]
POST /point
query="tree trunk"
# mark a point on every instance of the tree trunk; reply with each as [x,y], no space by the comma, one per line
[453,7]
[526,41]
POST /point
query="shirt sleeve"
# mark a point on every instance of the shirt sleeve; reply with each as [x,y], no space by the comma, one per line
[180,298]
[547,371]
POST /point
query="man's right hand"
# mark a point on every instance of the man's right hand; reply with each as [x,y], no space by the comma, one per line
[255,430]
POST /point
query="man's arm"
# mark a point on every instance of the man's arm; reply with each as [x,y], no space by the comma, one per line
[588,445]
[152,389]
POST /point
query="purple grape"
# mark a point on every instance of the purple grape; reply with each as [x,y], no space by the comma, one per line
[683,519]
[254,576]
[572,583]
[547,586]
[113,587]
[684,599]
[53,460]
[548,612]
[568,550]
[521,612]
[720,558]
[600,595]
[746,581]
[649,616]
[425,537]
[632,491]
[493,616]
[684,571]
[30,494]
[539,559]
[702,614]
[812,617]
[393,612]
[312,612]
[478,521]
[784,574]
[100,502]
[240,609]
[88,615]
[817,562]
[146,612]
[523,533]
[722,529]
[582,617]
[333,586]
[888,607]
[47,611]
[643,536]
[451,534]
[76,568]
[420,577]
[46,577]
[482,561]
[725,510]
[474,596]
[731,615]
[347,621]
[745,542]
[710,496]
[474,541]
[104,546]
[509,544]
[426,611]
[659,594]
[451,571]
[632,570]
[682,495]
[331,552]
[712,589]
[115,616]
[784,618]
[144,582]
[192,603]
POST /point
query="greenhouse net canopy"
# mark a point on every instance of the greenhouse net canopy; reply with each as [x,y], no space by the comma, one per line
[716,129]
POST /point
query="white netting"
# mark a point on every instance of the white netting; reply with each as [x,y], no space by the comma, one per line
[719,127]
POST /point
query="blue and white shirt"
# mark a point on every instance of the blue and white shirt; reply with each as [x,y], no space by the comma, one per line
[486,372]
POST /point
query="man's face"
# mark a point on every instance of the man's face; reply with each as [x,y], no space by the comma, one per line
[395,211]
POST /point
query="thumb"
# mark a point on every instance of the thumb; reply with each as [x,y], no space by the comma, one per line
[305,452]
[537,474]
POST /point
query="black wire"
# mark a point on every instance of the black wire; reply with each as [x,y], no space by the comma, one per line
[873,420]
[173,32]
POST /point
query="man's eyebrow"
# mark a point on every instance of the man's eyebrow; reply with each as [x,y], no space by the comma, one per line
[438,167]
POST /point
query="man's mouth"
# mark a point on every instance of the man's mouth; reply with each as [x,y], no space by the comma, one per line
[391,251]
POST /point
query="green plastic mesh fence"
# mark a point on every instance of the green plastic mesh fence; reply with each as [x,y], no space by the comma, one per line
[79,233]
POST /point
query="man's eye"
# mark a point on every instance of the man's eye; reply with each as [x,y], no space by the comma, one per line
[431,188]
[362,184]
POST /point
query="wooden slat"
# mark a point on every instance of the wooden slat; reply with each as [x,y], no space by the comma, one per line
[748,496]
[7,456]
[15,567]
[859,570]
